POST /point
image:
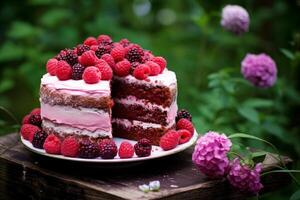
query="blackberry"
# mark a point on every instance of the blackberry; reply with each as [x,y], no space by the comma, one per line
[124,42]
[39,139]
[77,71]
[81,48]
[108,149]
[143,148]
[135,54]
[35,119]
[183,114]
[62,55]
[102,49]
[133,66]
[88,149]
[71,57]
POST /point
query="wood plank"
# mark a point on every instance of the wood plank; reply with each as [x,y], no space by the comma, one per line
[32,176]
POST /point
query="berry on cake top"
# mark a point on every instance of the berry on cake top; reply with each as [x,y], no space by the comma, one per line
[100,58]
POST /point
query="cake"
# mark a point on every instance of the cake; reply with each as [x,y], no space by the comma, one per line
[81,97]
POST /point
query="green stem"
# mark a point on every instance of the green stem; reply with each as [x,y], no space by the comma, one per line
[281,171]
[9,114]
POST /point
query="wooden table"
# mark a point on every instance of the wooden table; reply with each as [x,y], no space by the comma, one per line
[24,175]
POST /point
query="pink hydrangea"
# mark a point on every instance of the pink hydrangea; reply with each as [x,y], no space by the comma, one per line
[235,19]
[210,154]
[244,178]
[259,69]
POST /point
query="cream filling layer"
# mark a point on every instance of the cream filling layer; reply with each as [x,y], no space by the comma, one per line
[145,125]
[81,118]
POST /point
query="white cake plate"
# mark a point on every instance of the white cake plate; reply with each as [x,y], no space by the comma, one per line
[157,152]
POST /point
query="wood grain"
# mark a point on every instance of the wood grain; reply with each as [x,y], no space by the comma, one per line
[29,176]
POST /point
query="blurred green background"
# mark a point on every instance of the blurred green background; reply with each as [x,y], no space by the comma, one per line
[188,34]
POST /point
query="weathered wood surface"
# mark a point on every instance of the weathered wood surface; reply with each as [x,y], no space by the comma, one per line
[24,175]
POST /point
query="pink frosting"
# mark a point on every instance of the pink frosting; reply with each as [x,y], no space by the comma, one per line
[82,118]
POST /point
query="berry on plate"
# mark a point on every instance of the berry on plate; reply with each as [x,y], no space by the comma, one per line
[88,149]
[122,68]
[52,144]
[154,68]
[25,119]
[141,72]
[35,120]
[126,150]
[108,149]
[77,71]
[63,70]
[143,148]
[105,69]
[39,139]
[36,111]
[88,58]
[90,41]
[91,75]
[51,66]
[28,131]
[184,135]
[185,124]
[70,147]
[183,114]
[169,140]
[161,62]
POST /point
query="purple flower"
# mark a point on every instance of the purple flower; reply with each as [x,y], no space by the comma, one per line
[210,154]
[244,178]
[235,19]
[259,69]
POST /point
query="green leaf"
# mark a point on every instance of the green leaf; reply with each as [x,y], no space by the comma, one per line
[9,51]
[22,30]
[6,84]
[258,103]
[287,53]
[249,113]
[296,195]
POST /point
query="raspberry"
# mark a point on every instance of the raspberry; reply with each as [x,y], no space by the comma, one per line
[185,136]
[104,39]
[28,130]
[143,148]
[63,70]
[118,53]
[35,120]
[70,147]
[147,56]
[39,139]
[133,66]
[109,59]
[52,144]
[36,111]
[122,68]
[102,49]
[126,150]
[25,119]
[71,57]
[91,75]
[77,71]
[169,140]
[124,42]
[183,114]
[154,68]
[88,149]
[90,41]
[141,72]
[81,48]
[104,68]
[185,124]
[161,62]
[108,149]
[88,58]
[94,47]
[134,53]
[51,66]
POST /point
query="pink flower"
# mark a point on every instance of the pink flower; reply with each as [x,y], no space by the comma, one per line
[210,154]
[244,178]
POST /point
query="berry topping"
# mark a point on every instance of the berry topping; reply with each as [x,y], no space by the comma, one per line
[124,42]
[122,68]
[185,136]
[52,144]
[90,41]
[147,56]
[185,124]
[88,149]
[104,68]
[77,71]
[36,111]
[118,53]
[104,39]
[39,139]
[94,47]
[169,140]
[141,72]
[71,57]
[70,147]
[143,148]
[161,62]
[133,66]
[28,131]
[63,70]
[88,58]
[25,119]
[126,150]
[51,66]
[134,53]
[154,68]
[91,75]
[183,114]
[108,149]
[109,59]
[81,48]
[35,120]
[102,49]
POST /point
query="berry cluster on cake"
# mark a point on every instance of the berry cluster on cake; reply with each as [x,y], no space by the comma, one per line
[103,89]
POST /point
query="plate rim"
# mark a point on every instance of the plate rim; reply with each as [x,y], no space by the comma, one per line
[178,149]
